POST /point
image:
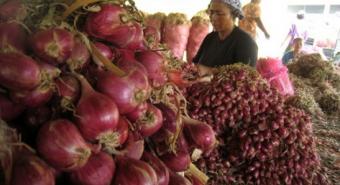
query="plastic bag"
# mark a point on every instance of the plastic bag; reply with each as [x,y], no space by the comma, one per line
[276,74]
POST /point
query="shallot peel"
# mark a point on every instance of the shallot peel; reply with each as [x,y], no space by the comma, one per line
[18,72]
[60,143]
[97,114]
[123,90]
[149,122]
[99,170]
[134,172]
[53,45]
[200,134]
[160,168]
[29,170]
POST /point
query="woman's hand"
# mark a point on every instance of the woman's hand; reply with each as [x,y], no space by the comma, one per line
[204,70]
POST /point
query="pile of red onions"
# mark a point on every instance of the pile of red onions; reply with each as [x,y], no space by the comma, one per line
[261,140]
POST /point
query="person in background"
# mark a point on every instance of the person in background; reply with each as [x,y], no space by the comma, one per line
[297,29]
[295,53]
[226,44]
[252,19]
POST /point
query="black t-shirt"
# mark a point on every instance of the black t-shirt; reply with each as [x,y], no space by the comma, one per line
[237,47]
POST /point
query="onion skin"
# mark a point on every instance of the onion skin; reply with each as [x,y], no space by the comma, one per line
[104,23]
[8,109]
[150,122]
[53,45]
[200,134]
[80,56]
[18,72]
[176,162]
[99,170]
[30,170]
[68,87]
[154,63]
[176,179]
[160,168]
[169,123]
[105,50]
[12,10]
[137,112]
[97,114]
[133,147]
[122,90]
[134,172]
[13,37]
[36,98]
[59,142]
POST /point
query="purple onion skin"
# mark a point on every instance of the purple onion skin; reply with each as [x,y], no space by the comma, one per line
[8,109]
[53,45]
[97,113]
[13,37]
[18,72]
[30,170]
[160,168]
[60,143]
[99,170]
[134,172]
[176,179]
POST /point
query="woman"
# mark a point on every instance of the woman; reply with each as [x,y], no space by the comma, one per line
[297,29]
[227,44]
[252,19]
[295,53]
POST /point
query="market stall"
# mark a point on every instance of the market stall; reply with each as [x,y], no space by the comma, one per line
[98,92]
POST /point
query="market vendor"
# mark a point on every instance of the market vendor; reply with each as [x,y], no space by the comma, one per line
[227,44]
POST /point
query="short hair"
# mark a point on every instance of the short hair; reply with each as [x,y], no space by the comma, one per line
[297,39]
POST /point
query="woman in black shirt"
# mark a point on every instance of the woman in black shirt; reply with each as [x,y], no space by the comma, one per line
[227,44]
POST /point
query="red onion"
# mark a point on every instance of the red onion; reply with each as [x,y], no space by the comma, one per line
[30,170]
[68,89]
[133,147]
[8,109]
[123,35]
[154,63]
[97,114]
[199,134]
[149,122]
[18,72]
[105,50]
[169,127]
[99,170]
[134,172]
[122,90]
[12,9]
[48,71]
[122,131]
[176,162]
[59,142]
[120,136]
[35,98]
[104,23]
[53,45]
[176,179]
[159,167]
[13,37]
[138,112]
[137,43]
[79,57]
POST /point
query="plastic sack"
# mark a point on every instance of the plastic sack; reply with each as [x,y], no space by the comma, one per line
[276,74]
[268,67]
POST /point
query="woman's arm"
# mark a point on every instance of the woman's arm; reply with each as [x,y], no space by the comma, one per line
[261,26]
